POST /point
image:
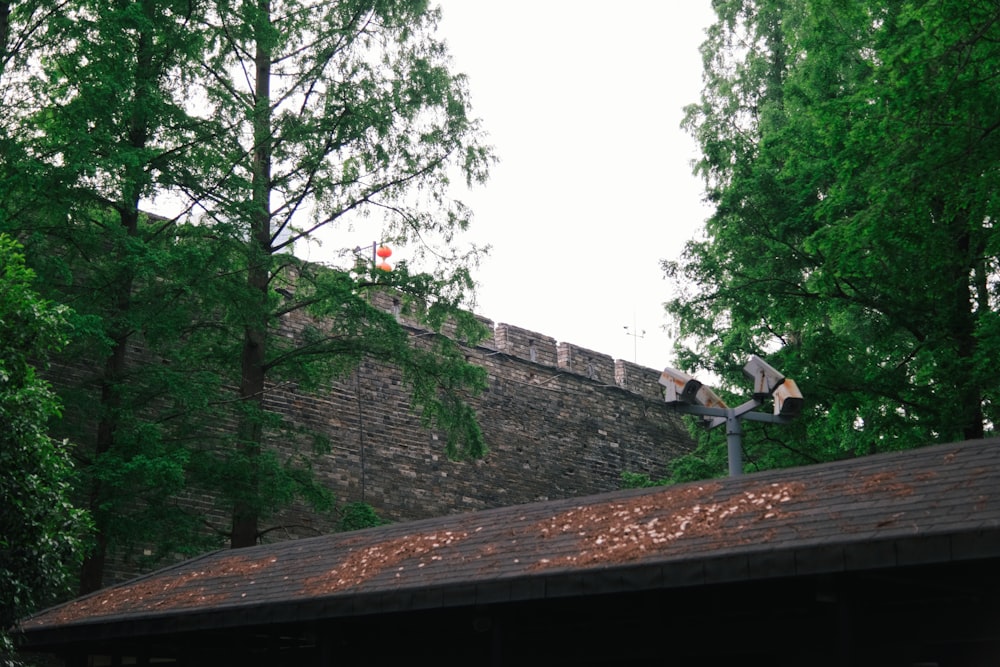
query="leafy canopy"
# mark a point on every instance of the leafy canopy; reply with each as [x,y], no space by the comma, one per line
[244,129]
[42,534]
[850,152]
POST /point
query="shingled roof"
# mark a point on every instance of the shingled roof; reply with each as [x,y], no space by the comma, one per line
[931,505]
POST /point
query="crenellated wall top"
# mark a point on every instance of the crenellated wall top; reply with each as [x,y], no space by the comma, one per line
[537,348]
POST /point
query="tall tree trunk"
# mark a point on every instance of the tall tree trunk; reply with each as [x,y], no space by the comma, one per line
[92,570]
[4,36]
[963,400]
[116,365]
[252,369]
[968,399]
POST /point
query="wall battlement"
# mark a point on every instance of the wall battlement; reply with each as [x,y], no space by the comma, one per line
[559,420]
[542,350]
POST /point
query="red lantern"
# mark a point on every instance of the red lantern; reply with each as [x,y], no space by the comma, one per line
[383,251]
[385,266]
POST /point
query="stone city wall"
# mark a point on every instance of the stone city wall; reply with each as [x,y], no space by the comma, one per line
[559,420]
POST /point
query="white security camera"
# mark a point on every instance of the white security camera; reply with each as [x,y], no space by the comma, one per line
[709,398]
[765,377]
[679,386]
[788,399]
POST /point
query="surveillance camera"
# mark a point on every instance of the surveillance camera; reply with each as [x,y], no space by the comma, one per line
[765,377]
[709,398]
[679,386]
[788,399]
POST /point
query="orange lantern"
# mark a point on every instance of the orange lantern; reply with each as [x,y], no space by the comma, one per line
[383,251]
[385,266]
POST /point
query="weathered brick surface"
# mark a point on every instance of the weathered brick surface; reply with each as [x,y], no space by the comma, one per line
[551,434]
[638,379]
[528,345]
[590,364]
[559,420]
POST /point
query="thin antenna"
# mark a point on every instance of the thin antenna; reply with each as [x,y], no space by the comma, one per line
[636,335]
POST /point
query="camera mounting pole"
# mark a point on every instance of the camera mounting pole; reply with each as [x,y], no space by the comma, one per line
[686,394]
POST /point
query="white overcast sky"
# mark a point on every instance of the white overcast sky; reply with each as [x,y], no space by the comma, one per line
[583,101]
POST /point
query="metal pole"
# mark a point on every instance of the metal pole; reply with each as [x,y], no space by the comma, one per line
[734,441]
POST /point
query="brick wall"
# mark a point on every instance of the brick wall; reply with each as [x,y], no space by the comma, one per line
[559,421]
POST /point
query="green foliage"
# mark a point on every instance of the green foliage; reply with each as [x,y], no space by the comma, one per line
[355,516]
[850,152]
[372,122]
[42,534]
[638,480]
[351,117]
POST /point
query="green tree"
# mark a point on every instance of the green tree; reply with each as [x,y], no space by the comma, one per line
[850,151]
[42,535]
[101,130]
[334,111]
[256,125]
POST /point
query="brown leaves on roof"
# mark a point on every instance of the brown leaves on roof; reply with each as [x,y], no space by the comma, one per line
[885,482]
[363,564]
[604,533]
[623,531]
[167,592]
[877,499]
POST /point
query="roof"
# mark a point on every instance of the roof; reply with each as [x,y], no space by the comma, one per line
[929,505]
